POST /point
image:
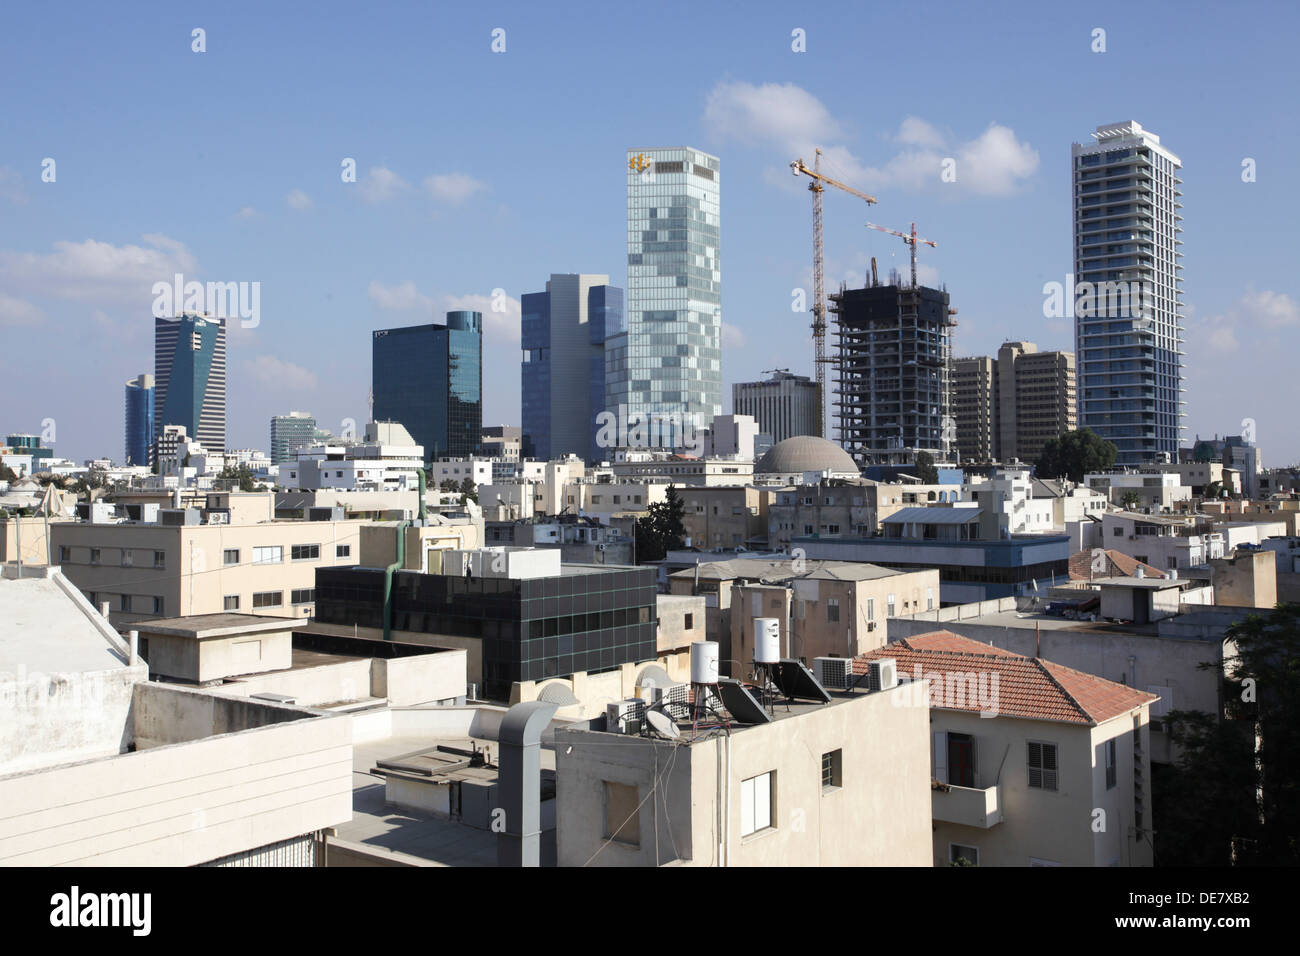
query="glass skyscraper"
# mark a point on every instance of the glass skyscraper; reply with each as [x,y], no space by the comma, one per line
[139,420]
[429,378]
[289,433]
[669,361]
[190,377]
[1128,293]
[562,374]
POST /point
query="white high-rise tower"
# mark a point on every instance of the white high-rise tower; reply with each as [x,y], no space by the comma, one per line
[1128,294]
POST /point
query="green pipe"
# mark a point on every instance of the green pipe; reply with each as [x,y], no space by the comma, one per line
[399,563]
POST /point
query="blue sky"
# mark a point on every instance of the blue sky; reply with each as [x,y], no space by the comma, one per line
[481,171]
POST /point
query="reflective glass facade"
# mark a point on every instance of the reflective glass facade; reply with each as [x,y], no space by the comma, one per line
[429,378]
[670,360]
[190,377]
[586,619]
[1128,331]
[139,420]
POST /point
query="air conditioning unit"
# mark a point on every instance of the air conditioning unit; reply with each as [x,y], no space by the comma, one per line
[834,673]
[656,694]
[625,716]
[218,517]
[871,625]
[882,674]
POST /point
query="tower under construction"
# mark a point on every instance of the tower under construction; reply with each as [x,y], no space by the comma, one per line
[892,372]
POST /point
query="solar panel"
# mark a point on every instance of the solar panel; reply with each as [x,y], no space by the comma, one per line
[797,682]
[740,703]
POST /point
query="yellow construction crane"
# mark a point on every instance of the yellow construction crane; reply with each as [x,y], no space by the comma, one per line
[819,304]
[911,241]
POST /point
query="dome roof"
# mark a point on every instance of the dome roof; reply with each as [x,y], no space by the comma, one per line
[805,453]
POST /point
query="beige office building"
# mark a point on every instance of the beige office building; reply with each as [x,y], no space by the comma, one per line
[1009,407]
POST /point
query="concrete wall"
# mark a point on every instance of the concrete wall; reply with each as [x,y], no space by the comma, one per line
[403,681]
[215,658]
[188,803]
[1246,580]
[1052,826]
[879,816]
[48,719]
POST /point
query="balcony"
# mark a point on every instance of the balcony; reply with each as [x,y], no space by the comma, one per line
[966,806]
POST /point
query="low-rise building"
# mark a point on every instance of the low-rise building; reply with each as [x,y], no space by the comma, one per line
[1033,763]
[843,783]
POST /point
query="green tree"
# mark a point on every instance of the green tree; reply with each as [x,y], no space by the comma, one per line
[1213,490]
[662,529]
[1234,794]
[469,490]
[242,474]
[1074,454]
[7,473]
[1130,499]
[925,469]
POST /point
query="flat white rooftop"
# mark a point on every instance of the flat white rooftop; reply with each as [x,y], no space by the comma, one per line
[41,629]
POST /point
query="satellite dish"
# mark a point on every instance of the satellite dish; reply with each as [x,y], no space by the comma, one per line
[662,724]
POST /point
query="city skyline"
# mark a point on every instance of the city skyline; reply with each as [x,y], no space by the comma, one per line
[425,230]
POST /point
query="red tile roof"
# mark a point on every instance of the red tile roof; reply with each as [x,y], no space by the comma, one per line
[1026,686]
[1118,564]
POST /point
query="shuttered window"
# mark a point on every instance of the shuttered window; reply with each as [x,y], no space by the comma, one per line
[1042,765]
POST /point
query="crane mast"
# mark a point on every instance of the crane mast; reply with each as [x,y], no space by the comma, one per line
[819,299]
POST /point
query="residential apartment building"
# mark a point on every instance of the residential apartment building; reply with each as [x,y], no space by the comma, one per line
[1128,314]
[190,377]
[784,405]
[838,784]
[563,333]
[1033,763]
[1006,409]
[429,378]
[388,460]
[726,517]
[835,508]
[227,556]
[502,441]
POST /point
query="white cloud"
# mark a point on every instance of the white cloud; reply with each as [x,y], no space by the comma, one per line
[297,199]
[792,120]
[1256,312]
[11,186]
[247,212]
[381,184]
[91,270]
[269,371]
[732,337]
[401,297]
[453,187]
[915,131]
[18,312]
[779,113]
[501,314]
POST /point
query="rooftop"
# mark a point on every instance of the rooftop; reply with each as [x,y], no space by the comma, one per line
[783,569]
[46,625]
[1027,687]
[201,626]
[926,515]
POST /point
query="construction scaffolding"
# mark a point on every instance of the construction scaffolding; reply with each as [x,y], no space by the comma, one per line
[893,372]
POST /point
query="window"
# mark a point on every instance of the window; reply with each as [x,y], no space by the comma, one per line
[832,610]
[690,622]
[871,609]
[268,555]
[1111,770]
[94,555]
[303,595]
[160,559]
[230,556]
[343,551]
[128,558]
[756,803]
[1042,765]
[959,855]
[157,605]
[832,766]
[807,529]
[929,599]
[65,557]
[890,602]
[305,552]
[230,602]
[1118,531]
[961,760]
[622,814]
[268,599]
